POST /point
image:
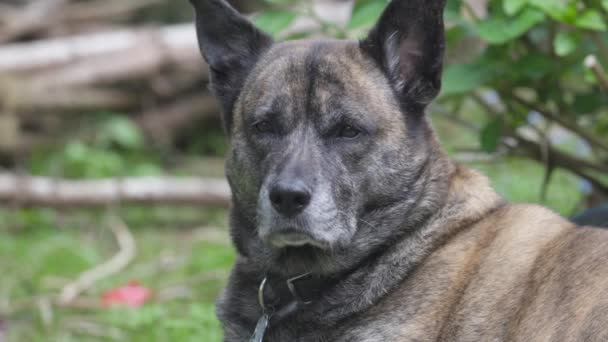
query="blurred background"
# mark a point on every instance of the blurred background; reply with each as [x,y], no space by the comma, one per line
[113,205]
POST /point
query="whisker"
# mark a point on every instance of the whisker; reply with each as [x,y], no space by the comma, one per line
[358,219]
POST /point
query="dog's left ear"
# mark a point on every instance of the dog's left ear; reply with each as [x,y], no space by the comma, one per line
[231,45]
[408,43]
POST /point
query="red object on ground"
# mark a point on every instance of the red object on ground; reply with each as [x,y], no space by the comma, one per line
[131,295]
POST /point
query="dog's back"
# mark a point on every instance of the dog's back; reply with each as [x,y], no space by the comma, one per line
[521,274]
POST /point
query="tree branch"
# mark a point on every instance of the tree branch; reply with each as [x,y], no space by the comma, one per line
[126,253]
[176,44]
[592,63]
[572,126]
[56,193]
[557,158]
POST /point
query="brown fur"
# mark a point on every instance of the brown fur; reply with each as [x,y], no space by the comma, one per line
[406,244]
[522,273]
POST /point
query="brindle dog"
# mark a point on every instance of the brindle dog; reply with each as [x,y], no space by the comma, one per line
[338,180]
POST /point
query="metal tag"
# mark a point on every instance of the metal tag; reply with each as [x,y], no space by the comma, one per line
[260,329]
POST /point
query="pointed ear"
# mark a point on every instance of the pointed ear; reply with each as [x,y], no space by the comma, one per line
[408,43]
[231,45]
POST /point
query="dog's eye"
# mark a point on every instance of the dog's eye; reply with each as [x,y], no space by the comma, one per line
[349,132]
[263,127]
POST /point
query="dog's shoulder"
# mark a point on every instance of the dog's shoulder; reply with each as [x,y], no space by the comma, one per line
[519,268]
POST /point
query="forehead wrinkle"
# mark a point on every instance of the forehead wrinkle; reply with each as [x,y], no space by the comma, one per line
[357,88]
[371,92]
[273,87]
[326,81]
[318,76]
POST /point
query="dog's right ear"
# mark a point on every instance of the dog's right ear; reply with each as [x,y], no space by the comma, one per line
[231,45]
[408,43]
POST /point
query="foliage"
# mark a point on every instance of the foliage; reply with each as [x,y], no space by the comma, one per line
[531,63]
[116,148]
[520,60]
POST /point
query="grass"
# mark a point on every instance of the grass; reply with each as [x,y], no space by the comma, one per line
[183,255]
[185,267]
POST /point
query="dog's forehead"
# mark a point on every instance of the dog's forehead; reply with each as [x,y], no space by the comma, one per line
[311,77]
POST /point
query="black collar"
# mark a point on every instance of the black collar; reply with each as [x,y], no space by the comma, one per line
[282,298]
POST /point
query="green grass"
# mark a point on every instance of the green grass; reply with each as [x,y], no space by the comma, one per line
[520,180]
[185,267]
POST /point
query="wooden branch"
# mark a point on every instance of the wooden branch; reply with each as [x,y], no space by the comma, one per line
[176,44]
[560,159]
[592,63]
[41,16]
[572,126]
[141,61]
[32,18]
[126,253]
[105,9]
[66,100]
[55,193]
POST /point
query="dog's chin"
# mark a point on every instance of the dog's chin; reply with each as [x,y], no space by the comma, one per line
[293,248]
[294,252]
[296,260]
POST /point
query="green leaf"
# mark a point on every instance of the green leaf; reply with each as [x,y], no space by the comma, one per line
[589,76]
[500,29]
[566,43]
[531,67]
[366,13]
[491,136]
[591,20]
[455,35]
[76,152]
[274,22]
[561,10]
[122,132]
[512,7]
[589,103]
[605,4]
[452,9]
[463,78]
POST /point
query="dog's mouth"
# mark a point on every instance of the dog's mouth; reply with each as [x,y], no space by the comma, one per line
[293,240]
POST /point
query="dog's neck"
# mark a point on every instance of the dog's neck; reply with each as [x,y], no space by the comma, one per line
[466,197]
[469,198]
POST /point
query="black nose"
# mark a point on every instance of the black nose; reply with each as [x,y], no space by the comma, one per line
[289,198]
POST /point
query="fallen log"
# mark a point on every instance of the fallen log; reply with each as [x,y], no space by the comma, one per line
[43,16]
[28,191]
[33,17]
[68,100]
[173,44]
[143,60]
[104,10]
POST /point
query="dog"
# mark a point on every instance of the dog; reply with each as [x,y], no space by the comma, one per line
[352,224]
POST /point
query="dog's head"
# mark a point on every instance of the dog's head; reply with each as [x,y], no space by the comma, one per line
[330,150]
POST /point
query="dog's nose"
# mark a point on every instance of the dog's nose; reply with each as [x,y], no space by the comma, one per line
[291,198]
